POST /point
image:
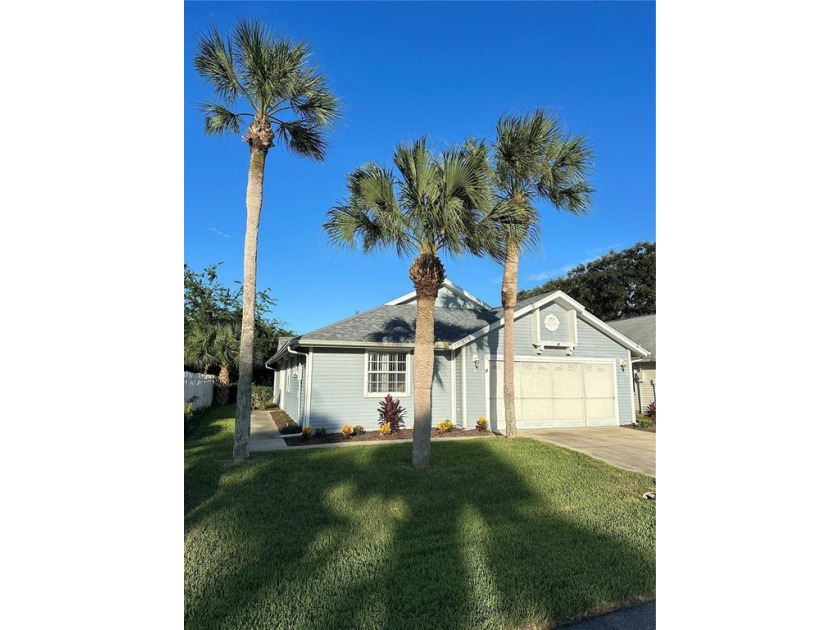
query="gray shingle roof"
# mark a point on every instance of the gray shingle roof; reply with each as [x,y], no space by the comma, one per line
[640,329]
[395,324]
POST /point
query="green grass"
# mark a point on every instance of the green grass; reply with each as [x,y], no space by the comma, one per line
[496,534]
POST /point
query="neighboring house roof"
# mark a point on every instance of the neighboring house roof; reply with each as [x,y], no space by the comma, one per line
[479,303]
[393,324]
[640,329]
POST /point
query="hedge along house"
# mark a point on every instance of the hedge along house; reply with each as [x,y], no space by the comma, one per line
[572,370]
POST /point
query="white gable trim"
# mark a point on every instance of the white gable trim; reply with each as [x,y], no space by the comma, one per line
[449,285]
[563,299]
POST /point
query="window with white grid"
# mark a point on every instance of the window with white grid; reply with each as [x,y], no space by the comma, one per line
[386,373]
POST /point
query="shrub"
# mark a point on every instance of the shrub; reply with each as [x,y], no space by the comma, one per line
[644,422]
[290,429]
[189,411]
[306,433]
[391,412]
[445,426]
[320,432]
[651,411]
[347,430]
[358,429]
[260,396]
[385,428]
[482,424]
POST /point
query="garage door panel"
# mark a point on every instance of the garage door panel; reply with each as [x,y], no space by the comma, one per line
[567,380]
[598,380]
[535,409]
[569,409]
[600,410]
[535,380]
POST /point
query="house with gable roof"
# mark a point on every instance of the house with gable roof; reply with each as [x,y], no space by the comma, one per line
[572,369]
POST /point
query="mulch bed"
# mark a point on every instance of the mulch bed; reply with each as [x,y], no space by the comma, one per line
[638,427]
[282,419]
[375,436]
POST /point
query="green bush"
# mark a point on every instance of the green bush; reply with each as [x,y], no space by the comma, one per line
[358,430]
[306,433]
[260,396]
[320,432]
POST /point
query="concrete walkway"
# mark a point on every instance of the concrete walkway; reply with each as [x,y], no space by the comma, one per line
[264,433]
[641,617]
[625,448]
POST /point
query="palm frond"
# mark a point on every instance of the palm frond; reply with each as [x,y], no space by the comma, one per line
[219,119]
[253,46]
[215,63]
[303,138]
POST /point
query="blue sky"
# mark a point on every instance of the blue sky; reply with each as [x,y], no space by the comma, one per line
[447,70]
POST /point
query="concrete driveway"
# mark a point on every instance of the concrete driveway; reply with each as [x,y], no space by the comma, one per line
[625,448]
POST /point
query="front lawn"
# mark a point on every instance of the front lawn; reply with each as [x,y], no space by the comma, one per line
[496,534]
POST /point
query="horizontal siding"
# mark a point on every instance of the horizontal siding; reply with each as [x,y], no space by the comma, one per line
[592,343]
[441,388]
[459,412]
[338,392]
[291,404]
[476,401]
[648,391]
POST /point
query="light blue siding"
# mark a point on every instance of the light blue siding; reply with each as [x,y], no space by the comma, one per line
[591,343]
[562,333]
[441,389]
[458,398]
[338,388]
[291,403]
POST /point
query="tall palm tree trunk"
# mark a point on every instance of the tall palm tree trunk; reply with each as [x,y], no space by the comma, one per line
[253,204]
[423,366]
[427,274]
[510,273]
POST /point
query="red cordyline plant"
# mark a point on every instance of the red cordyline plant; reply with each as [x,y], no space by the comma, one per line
[651,411]
[391,411]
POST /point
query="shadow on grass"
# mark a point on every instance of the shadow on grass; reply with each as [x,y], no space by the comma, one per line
[495,534]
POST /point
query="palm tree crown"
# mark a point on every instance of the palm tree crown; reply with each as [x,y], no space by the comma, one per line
[284,94]
[433,203]
[533,159]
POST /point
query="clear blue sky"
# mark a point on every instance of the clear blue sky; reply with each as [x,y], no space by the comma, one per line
[447,70]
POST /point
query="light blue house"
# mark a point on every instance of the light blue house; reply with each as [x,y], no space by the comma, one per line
[572,369]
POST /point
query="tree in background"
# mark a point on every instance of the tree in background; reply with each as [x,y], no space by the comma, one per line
[284,96]
[212,313]
[434,204]
[617,285]
[533,160]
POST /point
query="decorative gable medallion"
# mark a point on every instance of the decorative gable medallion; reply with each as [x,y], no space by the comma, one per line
[551,322]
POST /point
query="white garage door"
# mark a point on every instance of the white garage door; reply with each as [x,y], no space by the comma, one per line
[556,394]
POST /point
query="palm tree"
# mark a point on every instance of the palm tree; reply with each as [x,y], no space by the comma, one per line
[216,345]
[436,207]
[533,160]
[282,95]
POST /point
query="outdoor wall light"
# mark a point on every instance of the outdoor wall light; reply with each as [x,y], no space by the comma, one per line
[476,361]
[623,365]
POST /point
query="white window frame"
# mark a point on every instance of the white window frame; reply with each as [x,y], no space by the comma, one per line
[408,360]
[288,375]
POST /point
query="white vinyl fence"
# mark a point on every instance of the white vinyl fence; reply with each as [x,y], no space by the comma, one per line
[200,386]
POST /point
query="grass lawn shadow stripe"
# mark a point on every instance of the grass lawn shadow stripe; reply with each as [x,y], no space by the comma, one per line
[496,533]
